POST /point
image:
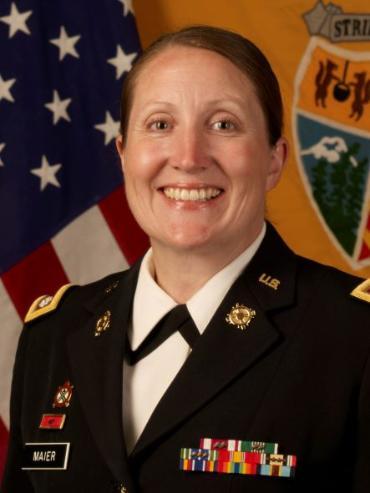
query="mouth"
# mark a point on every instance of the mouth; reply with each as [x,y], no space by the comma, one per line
[202,194]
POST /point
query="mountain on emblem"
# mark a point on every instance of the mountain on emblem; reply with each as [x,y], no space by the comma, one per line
[331,127]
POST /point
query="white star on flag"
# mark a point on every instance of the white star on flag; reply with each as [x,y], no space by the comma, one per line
[66,44]
[16,20]
[122,62]
[59,108]
[1,148]
[47,173]
[5,86]
[127,7]
[110,128]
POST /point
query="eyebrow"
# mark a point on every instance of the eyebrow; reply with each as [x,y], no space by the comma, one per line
[159,103]
[214,102]
[231,99]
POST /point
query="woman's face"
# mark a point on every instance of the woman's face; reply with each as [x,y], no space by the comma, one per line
[197,161]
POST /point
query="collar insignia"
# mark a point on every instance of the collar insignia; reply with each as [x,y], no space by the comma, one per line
[240,316]
[103,323]
[269,281]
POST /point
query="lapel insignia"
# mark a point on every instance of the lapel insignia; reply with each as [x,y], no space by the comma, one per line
[52,421]
[240,316]
[362,291]
[103,323]
[269,281]
[63,395]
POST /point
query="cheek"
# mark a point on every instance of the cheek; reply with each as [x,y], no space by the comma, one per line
[248,174]
[245,163]
[142,164]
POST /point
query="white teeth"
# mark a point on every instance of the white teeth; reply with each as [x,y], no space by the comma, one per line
[184,194]
[193,194]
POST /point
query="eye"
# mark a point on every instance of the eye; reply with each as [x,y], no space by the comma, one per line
[224,125]
[159,125]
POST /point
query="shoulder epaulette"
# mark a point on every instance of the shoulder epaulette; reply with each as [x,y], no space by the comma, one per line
[45,304]
[362,291]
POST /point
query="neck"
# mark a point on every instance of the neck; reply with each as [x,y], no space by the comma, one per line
[181,273]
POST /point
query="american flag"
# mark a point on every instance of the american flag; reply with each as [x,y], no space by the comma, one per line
[63,213]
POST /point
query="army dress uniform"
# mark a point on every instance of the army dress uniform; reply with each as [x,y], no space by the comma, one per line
[282,368]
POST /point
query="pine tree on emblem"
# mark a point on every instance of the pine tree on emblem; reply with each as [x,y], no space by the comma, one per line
[338,189]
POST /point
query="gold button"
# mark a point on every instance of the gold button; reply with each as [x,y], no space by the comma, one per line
[122,489]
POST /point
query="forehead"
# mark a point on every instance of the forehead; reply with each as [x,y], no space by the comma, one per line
[183,66]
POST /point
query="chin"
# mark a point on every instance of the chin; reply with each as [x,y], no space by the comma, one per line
[188,240]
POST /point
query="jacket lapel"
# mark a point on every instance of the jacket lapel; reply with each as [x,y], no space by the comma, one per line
[224,350]
[97,365]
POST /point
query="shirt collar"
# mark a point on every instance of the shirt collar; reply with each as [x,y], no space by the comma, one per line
[151,303]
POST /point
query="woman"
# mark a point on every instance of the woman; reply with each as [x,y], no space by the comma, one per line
[276,359]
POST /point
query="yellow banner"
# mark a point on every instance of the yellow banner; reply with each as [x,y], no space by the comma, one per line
[320,52]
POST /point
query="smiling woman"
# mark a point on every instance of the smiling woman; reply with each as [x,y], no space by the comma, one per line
[245,367]
[197,155]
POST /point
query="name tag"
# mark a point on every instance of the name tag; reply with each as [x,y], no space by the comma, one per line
[45,456]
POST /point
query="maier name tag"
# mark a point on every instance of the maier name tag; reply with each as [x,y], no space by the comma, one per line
[45,456]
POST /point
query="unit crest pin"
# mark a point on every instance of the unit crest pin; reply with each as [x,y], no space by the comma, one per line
[63,395]
[240,316]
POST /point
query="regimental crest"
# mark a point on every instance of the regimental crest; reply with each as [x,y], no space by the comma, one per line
[331,130]
[63,395]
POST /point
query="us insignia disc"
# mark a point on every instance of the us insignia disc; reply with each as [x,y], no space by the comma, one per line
[240,316]
[63,395]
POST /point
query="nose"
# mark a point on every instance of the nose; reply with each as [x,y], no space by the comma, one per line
[189,151]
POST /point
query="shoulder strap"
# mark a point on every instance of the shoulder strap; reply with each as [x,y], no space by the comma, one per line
[45,304]
[362,291]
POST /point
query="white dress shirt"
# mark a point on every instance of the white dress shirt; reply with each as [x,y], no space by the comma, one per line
[145,382]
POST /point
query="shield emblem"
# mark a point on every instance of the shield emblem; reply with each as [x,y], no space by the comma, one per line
[331,132]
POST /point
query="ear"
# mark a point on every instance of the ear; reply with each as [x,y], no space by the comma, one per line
[120,150]
[278,158]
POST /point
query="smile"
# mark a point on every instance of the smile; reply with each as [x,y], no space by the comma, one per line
[191,194]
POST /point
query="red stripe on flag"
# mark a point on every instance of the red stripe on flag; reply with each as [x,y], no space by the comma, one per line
[39,273]
[130,237]
[4,435]
[365,252]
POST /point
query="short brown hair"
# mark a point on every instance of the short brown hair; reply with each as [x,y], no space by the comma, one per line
[240,51]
